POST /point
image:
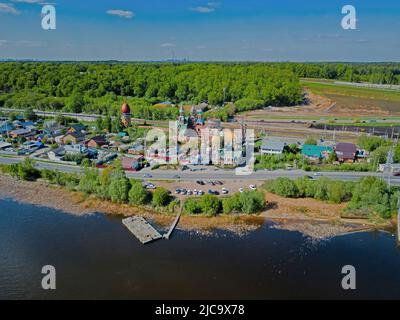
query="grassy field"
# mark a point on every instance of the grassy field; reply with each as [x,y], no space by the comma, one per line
[348,97]
[329,88]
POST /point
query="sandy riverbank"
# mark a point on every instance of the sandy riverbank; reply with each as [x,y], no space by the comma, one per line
[310,217]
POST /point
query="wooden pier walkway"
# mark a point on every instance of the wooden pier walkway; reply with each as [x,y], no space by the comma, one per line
[173,226]
[141,229]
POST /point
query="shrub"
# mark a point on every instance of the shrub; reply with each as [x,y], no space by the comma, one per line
[192,206]
[89,182]
[231,204]
[210,205]
[161,198]
[371,195]
[119,187]
[252,201]
[138,195]
[284,187]
[26,170]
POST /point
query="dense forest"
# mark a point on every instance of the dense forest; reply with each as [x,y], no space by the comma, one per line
[101,87]
[379,73]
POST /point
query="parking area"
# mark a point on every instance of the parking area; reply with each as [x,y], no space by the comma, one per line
[193,188]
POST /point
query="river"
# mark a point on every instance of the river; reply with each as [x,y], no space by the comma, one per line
[97,258]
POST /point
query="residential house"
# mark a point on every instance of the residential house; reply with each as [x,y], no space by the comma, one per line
[22,133]
[105,156]
[271,146]
[346,152]
[75,149]
[134,163]
[54,131]
[137,149]
[6,127]
[56,154]
[96,142]
[31,146]
[80,128]
[73,138]
[316,152]
[5,145]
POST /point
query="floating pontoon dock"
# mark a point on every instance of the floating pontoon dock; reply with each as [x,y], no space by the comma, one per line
[141,229]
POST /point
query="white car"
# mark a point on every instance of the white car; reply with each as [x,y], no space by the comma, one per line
[252,187]
[317,174]
[224,191]
[241,190]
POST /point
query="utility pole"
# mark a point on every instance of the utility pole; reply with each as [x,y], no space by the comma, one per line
[389,163]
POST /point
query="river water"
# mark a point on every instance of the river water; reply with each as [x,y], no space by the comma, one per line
[96,257]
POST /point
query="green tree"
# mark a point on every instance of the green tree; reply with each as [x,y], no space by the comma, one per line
[210,205]
[192,206]
[161,197]
[89,181]
[119,187]
[252,201]
[138,195]
[284,187]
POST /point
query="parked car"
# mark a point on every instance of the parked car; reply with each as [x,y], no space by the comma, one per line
[317,174]
[241,190]
[252,187]
[178,190]
[225,191]
[148,175]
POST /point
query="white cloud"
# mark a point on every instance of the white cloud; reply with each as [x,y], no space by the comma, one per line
[28,1]
[208,8]
[121,13]
[8,8]
[20,43]
[203,9]
[168,45]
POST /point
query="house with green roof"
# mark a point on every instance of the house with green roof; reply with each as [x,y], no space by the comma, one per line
[316,152]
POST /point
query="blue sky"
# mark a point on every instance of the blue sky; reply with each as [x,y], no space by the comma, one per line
[251,30]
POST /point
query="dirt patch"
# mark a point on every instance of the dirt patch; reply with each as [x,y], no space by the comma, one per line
[280,207]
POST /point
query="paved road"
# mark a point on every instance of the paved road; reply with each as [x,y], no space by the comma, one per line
[213,174]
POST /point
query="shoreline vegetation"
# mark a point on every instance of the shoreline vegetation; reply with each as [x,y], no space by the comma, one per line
[313,218]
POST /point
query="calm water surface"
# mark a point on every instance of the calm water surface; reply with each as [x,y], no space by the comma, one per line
[96,257]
